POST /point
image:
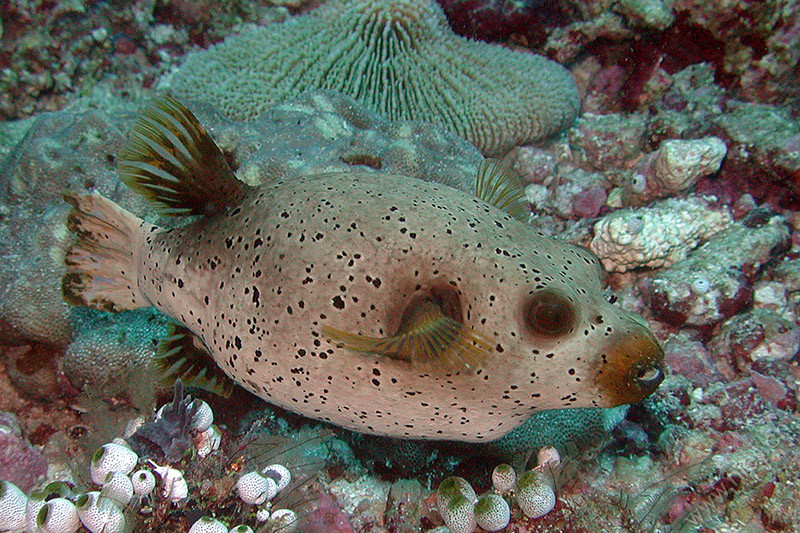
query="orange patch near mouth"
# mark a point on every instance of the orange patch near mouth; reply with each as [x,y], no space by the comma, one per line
[631,370]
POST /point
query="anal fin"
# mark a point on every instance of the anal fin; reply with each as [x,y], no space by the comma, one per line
[427,337]
[182,355]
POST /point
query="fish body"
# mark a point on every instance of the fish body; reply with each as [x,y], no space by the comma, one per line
[269,282]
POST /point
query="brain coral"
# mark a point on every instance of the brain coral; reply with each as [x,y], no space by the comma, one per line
[397,57]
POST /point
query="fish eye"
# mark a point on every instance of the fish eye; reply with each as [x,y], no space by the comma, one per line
[549,313]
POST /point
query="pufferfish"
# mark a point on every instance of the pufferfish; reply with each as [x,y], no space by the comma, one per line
[377,302]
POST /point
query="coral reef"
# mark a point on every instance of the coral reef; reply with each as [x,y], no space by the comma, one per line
[655,236]
[753,47]
[401,60]
[715,281]
[668,89]
[56,51]
[525,21]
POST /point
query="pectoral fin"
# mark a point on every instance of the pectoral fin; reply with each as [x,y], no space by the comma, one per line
[497,185]
[426,337]
[182,355]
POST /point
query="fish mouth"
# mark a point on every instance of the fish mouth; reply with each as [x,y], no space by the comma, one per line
[631,369]
[647,378]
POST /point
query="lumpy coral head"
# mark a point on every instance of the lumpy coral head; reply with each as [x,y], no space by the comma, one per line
[398,57]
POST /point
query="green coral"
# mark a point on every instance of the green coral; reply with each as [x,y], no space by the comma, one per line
[397,57]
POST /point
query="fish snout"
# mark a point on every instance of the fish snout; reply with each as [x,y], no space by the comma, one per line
[649,378]
[631,369]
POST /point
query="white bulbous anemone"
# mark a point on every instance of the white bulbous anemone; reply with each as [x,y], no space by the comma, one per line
[13,503]
[111,457]
[208,524]
[58,516]
[100,514]
[255,489]
[143,482]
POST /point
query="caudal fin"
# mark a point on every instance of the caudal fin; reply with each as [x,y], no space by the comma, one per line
[101,272]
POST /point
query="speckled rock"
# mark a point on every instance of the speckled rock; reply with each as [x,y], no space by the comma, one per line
[326,131]
[603,141]
[675,167]
[764,142]
[108,349]
[716,281]
[565,429]
[752,341]
[20,463]
[656,236]
[61,151]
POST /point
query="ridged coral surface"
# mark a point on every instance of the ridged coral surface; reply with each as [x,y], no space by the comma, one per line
[399,58]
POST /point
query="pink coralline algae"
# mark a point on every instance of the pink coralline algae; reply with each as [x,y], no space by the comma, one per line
[684,103]
[494,20]
[716,281]
[20,463]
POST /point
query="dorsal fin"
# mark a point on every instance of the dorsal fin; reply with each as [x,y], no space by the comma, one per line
[182,355]
[426,337]
[495,184]
[173,162]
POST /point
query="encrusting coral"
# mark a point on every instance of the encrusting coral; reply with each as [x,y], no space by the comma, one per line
[715,281]
[655,236]
[399,58]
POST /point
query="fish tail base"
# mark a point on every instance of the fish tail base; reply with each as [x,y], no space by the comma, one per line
[101,271]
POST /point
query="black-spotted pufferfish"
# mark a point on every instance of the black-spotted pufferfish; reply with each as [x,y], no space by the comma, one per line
[376,302]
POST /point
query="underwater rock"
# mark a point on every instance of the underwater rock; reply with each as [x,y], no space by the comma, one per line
[716,280]
[752,45]
[687,356]
[752,341]
[107,348]
[764,143]
[564,44]
[61,151]
[688,108]
[647,14]
[498,20]
[20,462]
[571,193]
[675,167]
[564,429]
[656,236]
[603,141]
